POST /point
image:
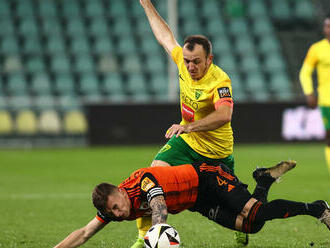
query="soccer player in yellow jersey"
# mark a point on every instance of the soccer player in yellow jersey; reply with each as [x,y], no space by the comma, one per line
[319,56]
[205,132]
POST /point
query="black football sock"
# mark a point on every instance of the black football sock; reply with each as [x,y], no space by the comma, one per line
[280,209]
[262,188]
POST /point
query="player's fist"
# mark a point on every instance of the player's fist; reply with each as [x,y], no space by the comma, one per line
[311,101]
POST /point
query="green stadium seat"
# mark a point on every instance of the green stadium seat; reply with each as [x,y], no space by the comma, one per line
[250,64]
[281,10]
[235,8]
[155,65]
[89,84]
[140,97]
[142,28]
[227,63]
[113,84]
[49,122]
[44,102]
[35,64]
[98,27]
[94,8]
[187,9]
[75,27]
[6,26]
[211,9]
[9,45]
[103,45]
[150,46]
[83,63]
[17,85]
[159,84]
[51,26]
[116,98]
[238,27]
[25,9]
[216,27]
[255,82]
[79,45]
[279,83]
[136,11]
[47,8]
[121,27]
[70,9]
[256,9]
[304,9]
[32,45]
[244,45]
[55,45]
[40,84]
[26,123]
[274,63]
[5,11]
[64,84]
[28,27]
[60,63]
[191,27]
[268,44]
[67,103]
[118,9]
[132,64]
[221,45]
[136,84]
[126,46]
[262,27]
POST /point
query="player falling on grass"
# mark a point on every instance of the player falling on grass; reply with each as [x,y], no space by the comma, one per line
[212,190]
[319,56]
[205,132]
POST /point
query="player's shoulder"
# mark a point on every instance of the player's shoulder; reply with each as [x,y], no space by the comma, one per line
[319,44]
[219,75]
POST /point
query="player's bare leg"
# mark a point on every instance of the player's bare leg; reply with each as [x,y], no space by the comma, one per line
[159,163]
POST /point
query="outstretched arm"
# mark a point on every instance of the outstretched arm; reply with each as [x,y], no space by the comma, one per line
[81,235]
[159,210]
[159,27]
[216,119]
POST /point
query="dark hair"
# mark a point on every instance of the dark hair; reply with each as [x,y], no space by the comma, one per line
[100,195]
[198,39]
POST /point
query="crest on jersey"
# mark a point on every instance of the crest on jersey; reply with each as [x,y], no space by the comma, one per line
[165,148]
[198,93]
[147,184]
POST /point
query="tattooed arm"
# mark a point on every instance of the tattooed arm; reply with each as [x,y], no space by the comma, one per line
[159,210]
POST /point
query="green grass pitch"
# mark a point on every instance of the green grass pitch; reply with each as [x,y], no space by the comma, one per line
[45,194]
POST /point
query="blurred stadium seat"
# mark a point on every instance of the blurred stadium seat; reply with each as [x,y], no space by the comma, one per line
[26,122]
[75,122]
[49,122]
[6,123]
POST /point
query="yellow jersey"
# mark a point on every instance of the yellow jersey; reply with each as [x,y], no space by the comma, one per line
[318,56]
[200,98]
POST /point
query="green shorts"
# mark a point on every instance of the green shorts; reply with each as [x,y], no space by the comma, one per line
[176,152]
[326,117]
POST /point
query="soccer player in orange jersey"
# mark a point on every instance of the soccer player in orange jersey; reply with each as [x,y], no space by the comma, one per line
[212,190]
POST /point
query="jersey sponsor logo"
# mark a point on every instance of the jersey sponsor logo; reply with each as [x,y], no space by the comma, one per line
[224,92]
[187,113]
[188,101]
[165,148]
[198,94]
[147,184]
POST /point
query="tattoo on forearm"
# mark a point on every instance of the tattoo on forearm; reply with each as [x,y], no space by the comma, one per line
[159,210]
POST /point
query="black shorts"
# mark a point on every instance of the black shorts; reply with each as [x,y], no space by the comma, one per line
[219,193]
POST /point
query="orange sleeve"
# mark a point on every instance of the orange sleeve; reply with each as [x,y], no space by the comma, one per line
[228,102]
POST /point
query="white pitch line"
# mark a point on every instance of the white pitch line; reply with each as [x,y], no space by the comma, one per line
[36,196]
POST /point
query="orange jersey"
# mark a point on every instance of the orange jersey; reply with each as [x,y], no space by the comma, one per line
[178,185]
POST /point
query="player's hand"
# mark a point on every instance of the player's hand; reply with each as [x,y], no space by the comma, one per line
[311,101]
[176,129]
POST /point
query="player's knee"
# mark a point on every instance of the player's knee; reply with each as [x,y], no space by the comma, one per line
[253,228]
